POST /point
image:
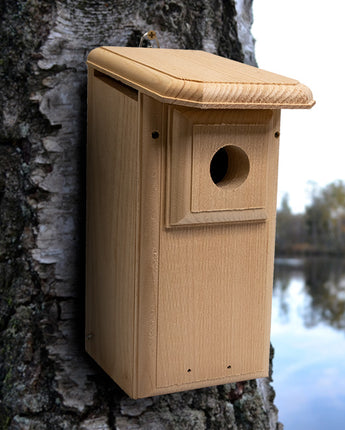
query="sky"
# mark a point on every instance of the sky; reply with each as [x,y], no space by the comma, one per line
[305,40]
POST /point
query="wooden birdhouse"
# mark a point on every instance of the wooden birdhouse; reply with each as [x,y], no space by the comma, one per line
[182,160]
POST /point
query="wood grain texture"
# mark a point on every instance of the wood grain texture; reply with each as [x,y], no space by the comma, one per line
[112,228]
[152,119]
[246,191]
[192,196]
[212,297]
[171,309]
[215,286]
[200,79]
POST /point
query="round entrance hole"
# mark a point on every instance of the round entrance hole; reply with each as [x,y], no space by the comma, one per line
[229,166]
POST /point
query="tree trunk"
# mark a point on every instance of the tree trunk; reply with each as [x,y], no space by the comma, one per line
[46,379]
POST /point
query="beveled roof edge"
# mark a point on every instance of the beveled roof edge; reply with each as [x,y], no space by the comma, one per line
[226,95]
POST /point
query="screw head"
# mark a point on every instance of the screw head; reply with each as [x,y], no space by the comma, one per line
[151,34]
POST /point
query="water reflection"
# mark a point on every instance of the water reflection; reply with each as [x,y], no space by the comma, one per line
[324,283]
[308,333]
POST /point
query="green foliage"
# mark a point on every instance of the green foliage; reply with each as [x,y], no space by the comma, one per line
[321,229]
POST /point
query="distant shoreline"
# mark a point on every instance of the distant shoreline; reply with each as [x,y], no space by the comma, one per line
[308,253]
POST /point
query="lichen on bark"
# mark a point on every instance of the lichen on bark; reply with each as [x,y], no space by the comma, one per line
[46,379]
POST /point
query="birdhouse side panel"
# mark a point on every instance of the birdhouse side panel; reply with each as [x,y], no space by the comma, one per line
[112,227]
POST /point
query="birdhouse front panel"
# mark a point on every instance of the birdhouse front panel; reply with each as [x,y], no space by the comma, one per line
[181,196]
[211,265]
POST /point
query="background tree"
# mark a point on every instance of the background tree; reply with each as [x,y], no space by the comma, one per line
[46,379]
[320,230]
[325,218]
[284,224]
[291,231]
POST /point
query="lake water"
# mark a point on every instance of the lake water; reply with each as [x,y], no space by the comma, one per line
[308,334]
